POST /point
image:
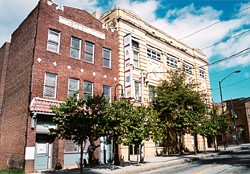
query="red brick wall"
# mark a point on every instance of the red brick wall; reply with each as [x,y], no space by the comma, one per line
[17,92]
[49,18]
[4,54]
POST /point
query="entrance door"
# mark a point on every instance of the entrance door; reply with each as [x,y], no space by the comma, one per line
[43,159]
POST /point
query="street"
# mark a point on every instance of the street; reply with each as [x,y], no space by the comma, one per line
[232,163]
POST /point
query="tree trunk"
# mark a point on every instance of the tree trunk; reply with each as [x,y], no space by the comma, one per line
[204,144]
[81,158]
[116,152]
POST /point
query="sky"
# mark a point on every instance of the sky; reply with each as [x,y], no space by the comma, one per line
[220,28]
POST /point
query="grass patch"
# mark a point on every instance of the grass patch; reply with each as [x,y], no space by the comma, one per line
[11,171]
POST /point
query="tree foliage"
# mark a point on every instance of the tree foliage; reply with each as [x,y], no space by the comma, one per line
[180,106]
[80,120]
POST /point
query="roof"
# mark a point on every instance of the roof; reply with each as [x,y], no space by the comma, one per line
[43,105]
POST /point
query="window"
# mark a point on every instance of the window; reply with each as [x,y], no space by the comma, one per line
[152,93]
[153,54]
[202,73]
[89,52]
[75,48]
[107,92]
[135,44]
[73,87]
[106,58]
[53,41]
[136,58]
[87,89]
[50,83]
[172,62]
[134,149]
[70,146]
[188,68]
[137,90]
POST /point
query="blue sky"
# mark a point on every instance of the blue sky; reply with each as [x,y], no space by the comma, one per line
[179,18]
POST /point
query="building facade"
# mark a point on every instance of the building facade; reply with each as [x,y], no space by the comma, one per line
[239,116]
[145,55]
[55,52]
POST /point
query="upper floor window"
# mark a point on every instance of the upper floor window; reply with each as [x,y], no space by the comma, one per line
[106,58]
[50,83]
[53,41]
[188,68]
[202,73]
[172,62]
[136,58]
[106,92]
[89,52]
[153,54]
[75,48]
[135,44]
[73,87]
[87,89]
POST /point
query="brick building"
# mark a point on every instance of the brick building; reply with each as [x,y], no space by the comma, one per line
[55,52]
[239,112]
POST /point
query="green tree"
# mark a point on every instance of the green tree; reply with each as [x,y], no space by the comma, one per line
[131,125]
[180,106]
[80,120]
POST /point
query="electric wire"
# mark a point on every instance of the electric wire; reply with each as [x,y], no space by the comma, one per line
[225,40]
[214,23]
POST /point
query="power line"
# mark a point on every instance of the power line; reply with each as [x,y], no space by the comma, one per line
[214,24]
[225,40]
[226,58]
[231,84]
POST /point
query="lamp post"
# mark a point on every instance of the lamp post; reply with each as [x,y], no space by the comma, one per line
[115,97]
[221,99]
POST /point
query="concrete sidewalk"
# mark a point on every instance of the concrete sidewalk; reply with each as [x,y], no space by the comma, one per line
[153,163]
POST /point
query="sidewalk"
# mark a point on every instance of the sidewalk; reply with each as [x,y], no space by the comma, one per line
[153,163]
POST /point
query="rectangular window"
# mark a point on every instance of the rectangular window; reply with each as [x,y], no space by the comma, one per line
[73,87]
[153,54]
[137,90]
[89,52]
[53,41]
[188,68]
[172,62]
[135,44]
[202,73]
[87,89]
[75,48]
[151,93]
[50,83]
[106,58]
[136,58]
[106,92]
[70,147]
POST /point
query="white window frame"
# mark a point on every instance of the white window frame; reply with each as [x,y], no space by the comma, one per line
[93,52]
[151,90]
[136,60]
[188,68]
[72,89]
[53,42]
[109,88]
[172,62]
[92,88]
[153,54]
[78,49]
[45,85]
[107,58]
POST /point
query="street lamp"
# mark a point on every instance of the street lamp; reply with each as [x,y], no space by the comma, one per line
[115,97]
[222,107]
[221,100]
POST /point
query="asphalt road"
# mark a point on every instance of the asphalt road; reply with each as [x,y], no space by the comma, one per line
[232,163]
